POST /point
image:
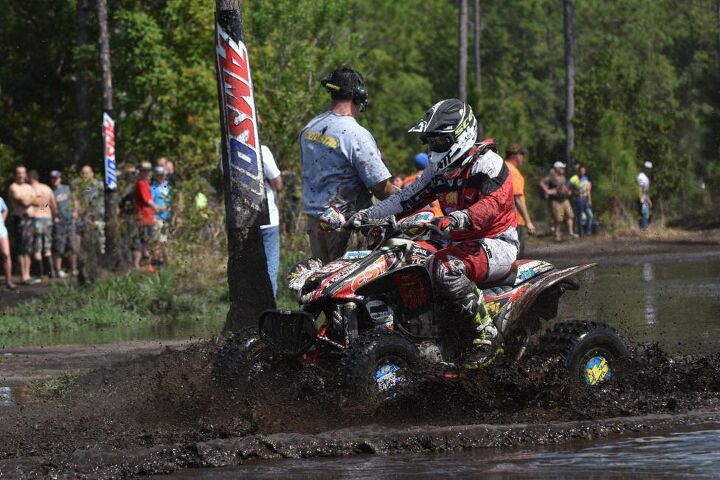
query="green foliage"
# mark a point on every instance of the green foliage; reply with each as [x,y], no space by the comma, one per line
[647,77]
[120,301]
[57,387]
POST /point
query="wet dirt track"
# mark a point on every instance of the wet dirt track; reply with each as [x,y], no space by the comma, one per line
[160,413]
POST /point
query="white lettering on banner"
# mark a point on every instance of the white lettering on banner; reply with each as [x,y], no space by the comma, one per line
[108,129]
[240,119]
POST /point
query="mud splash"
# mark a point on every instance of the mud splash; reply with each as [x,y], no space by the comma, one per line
[162,413]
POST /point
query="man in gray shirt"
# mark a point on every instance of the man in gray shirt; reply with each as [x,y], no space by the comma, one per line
[340,161]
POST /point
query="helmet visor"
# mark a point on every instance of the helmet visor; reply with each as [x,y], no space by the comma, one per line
[439,143]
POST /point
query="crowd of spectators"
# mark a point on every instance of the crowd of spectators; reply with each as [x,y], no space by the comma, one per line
[50,223]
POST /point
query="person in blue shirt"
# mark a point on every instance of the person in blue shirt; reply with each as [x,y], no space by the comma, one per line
[5,246]
[161,197]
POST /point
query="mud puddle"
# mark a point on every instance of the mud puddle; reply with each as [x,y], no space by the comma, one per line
[153,414]
[160,414]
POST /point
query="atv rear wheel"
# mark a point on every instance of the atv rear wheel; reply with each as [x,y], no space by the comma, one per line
[378,365]
[244,356]
[594,353]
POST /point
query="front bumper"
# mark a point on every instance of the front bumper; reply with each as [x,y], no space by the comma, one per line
[288,333]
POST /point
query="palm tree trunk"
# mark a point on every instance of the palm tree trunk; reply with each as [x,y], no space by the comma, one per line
[462,49]
[243,182]
[81,90]
[112,257]
[476,49]
[569,82]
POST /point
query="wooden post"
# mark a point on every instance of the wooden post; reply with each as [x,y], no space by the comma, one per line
[462,50]
[243,176]
[569,14]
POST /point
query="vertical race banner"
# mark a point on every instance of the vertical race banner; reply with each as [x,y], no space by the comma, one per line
[242,143]
[108,132]
[243,175]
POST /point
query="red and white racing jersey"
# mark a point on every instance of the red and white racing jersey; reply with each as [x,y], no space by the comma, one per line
[482,190]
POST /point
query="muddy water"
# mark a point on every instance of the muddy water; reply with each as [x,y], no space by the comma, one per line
[694,453]
[655,299]
[673,302]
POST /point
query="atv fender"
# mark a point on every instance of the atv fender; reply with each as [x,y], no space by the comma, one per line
[541,296]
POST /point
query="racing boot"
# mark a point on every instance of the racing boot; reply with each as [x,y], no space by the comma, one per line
[483,350]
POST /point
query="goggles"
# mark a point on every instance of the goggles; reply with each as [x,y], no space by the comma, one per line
[439,143]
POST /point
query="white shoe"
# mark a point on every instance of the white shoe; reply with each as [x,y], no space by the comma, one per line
[62,274]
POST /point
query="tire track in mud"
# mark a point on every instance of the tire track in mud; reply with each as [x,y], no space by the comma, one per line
[158,414]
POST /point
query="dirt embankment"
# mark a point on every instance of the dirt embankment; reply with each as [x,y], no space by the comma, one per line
[631,247]
[159,413]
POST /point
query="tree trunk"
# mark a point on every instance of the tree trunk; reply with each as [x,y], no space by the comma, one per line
[569,83]
[112,257]
[462,49]
[243,177]
[81,89]
[476,49]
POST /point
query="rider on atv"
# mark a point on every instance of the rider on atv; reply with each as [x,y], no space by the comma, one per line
[474,188]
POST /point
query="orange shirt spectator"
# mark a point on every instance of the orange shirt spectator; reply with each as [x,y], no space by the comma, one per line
[518,183]
[514,158]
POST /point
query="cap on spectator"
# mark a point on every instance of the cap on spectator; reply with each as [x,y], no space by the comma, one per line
[55,174]
[559,165]
[421,161]
[647,164]
[513,149]
[145,166]
[159,170]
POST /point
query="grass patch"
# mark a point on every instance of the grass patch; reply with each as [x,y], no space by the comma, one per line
[123,300]
[57,387]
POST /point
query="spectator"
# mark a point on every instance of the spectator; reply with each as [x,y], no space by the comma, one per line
[170,173]
[514,158]
[340,161]
[271,231]
[64,231]
[22,198]
[421,162]
[161,197]
[5,246]
[643,181]
[43,214]
[169,168]
[92,208]
[582,194]
[145,208]
[556,188]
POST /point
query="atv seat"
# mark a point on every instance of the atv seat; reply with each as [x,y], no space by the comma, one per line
[506,281]
[521,271]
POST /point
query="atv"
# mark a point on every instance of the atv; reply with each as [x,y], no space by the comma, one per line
[371,316]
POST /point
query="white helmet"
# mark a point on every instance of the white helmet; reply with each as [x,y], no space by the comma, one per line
[450,130]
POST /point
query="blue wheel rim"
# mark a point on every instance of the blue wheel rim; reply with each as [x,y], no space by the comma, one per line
[597,370]
[388,375]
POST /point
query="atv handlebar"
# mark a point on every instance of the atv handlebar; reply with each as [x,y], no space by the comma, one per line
[401,227]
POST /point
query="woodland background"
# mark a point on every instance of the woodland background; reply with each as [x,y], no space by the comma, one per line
[647,84]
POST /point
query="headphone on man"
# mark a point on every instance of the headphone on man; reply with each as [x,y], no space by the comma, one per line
[357,93]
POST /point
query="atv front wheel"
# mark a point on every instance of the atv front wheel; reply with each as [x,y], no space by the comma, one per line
[244,356]
[378,365]
[594,353]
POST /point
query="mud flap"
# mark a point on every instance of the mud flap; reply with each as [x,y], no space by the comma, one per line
[289,333]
